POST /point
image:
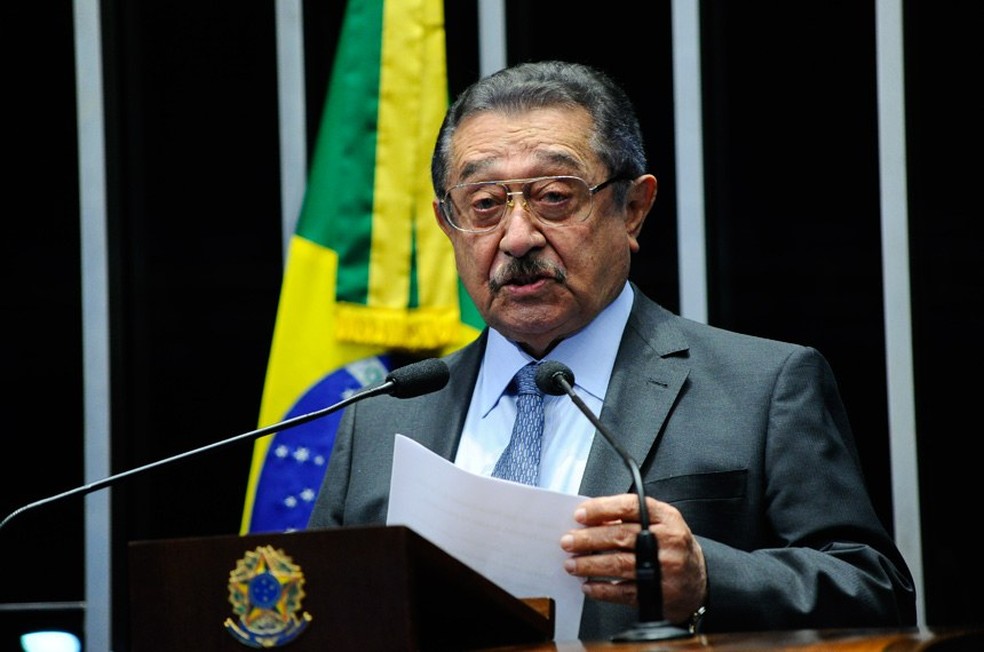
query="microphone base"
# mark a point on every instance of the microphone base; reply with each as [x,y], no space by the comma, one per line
[657,630]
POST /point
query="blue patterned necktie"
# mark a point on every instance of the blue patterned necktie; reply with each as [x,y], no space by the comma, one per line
[520,461]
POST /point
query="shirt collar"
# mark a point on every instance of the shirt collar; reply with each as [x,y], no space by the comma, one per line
[597,342]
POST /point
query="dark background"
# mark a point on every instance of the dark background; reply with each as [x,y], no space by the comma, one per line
[793,241]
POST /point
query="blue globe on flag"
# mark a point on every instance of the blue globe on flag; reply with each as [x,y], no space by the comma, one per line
[297,458]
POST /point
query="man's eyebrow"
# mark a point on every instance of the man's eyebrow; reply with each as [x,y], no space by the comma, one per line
[474,167]
[562,159]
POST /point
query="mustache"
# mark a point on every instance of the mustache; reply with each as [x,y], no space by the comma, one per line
[524,270]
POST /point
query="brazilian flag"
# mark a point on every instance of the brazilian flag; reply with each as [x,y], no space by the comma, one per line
[370,278]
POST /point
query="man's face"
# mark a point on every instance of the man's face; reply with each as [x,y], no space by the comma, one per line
[536,283]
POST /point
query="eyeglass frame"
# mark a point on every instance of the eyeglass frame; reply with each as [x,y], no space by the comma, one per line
[510,194]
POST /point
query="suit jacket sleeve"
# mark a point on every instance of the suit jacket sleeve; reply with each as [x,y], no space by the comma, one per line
[749,439]
[820,556]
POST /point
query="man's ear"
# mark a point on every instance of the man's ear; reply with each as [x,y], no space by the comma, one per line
[642,194]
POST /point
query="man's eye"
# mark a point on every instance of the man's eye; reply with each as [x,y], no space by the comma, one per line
[484,204]
[553,197]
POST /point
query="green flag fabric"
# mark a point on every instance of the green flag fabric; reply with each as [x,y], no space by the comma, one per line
[370,277]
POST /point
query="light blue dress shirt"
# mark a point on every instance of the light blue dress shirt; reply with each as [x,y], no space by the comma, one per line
[567,433]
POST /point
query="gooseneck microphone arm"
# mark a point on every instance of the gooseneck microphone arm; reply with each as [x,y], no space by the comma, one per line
[414,379]
[556,378]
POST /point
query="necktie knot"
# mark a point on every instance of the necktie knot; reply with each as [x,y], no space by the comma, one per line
[525,380]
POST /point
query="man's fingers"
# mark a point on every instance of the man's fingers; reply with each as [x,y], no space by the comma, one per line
[618,591]
[613,565]
[617,536]
[606,509]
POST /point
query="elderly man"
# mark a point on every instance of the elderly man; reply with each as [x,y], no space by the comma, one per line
[755,492]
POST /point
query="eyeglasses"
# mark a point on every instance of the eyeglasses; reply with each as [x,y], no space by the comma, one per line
[555,201]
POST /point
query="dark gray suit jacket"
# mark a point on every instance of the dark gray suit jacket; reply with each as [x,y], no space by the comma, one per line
[747,437]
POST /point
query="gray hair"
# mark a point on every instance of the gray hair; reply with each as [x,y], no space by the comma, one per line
[617,138]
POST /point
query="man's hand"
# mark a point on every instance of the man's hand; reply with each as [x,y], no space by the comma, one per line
[603,553]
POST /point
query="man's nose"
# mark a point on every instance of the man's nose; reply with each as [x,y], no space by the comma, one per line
[516,200]
[520,229]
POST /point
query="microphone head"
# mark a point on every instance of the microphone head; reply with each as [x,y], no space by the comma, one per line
[418,378]
[549,375]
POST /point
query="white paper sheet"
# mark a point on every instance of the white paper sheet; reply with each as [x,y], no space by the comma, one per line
[508,532]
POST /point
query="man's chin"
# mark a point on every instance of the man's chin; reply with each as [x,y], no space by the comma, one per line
[536,326]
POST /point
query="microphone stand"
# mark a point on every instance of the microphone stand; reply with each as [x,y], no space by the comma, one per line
[418,378]
[651,625]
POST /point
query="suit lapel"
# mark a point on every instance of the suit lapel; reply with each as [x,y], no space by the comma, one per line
[645,383]
[445,411]
[648,377]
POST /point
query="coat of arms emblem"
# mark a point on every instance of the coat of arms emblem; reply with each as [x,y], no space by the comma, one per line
[266,589]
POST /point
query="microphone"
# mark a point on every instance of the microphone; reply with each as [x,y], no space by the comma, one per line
[556,378]
[415,379]
[411,380]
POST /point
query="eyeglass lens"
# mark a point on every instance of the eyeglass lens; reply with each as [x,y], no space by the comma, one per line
[481,206]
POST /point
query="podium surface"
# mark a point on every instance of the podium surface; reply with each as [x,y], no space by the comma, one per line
[824,640]
[388,588]
[366,588]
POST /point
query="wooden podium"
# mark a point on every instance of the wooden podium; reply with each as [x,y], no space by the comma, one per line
[367,588]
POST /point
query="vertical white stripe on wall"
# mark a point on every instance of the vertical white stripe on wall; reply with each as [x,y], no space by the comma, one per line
[688,122]
[895,277]
[95,319]
[291,100]
[491,36]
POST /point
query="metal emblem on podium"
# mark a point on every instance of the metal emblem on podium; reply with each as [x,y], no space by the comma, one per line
[266,589]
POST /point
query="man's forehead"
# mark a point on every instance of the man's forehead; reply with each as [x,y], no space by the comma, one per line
[554,138]
[544,159]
